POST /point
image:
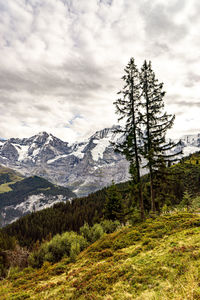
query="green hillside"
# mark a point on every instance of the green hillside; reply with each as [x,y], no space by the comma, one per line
[15,191]
[28,186]
[57,219]
[7,178]
[156,259]
[185,176]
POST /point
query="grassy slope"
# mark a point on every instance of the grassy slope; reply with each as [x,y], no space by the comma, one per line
[157,259]
[7,178]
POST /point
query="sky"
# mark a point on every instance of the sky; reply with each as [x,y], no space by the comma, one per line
[61,62]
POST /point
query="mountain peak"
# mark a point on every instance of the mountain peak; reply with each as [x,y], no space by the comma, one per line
[43,133]
[109,131]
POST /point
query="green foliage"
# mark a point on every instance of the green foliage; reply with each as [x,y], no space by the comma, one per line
[85,231]
[95,232]
[134,217]
[110,226]
[144,132]
[74,251]
[155,259]
[6,243]
[58,219]
[156,122]
[195,203]
[69,244]
[186,201]
[72,215]
[113,205]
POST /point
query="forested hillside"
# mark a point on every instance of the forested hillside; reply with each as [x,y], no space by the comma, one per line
[185,176]
[59,218]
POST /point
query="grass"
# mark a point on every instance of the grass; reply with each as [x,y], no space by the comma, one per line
[12,177]
[4,188]
[157,259]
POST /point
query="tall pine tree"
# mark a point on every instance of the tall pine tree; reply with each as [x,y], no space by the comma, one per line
[155,123]
[128,108]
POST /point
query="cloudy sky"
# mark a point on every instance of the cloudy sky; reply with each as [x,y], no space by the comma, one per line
[62,60]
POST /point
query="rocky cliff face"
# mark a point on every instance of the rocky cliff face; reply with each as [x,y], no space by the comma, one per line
[84,167]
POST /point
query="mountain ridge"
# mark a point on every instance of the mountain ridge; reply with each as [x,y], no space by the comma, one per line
[80,166]
[20,195]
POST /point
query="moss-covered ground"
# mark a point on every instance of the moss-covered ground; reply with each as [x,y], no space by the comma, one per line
[156,259]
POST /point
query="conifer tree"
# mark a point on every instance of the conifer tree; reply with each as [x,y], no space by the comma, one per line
[128,108]
[113,205]
[155,124]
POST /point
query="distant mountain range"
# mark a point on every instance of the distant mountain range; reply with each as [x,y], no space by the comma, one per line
[83,167]
[20,196]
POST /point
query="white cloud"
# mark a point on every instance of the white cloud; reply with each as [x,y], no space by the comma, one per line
[61,61]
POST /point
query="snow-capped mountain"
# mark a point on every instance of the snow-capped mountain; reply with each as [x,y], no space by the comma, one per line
[84,167]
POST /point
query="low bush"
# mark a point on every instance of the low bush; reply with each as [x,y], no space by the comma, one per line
[110,226]
[69,244]
[92,234]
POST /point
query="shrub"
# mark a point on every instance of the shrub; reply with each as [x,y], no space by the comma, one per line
[92,234]
[68,244]
[186,201]
[110,226]
[85,231]
[196,203]
[74,251]
[135,217]
[97,232]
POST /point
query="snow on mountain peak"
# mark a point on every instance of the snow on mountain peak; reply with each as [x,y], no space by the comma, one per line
[101,145]
[90,164]
[106,132]
[193,139]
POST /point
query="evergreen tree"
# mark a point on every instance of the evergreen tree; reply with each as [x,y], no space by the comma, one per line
[187,199]
[155,124]
[128,109]
[113,205]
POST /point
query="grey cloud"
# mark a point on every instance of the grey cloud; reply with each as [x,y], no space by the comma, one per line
[176,99]
[47,82]
[159,22]
[187,103]
[158,48]
[192,79]
[41,107]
